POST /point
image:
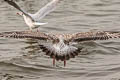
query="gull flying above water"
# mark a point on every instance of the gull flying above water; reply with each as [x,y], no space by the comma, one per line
[61,47]
[33,20]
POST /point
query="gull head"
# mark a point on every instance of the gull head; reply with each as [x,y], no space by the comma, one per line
[61,38]
[20,13]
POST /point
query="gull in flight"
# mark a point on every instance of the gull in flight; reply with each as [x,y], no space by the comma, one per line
[33,20]
[61,47]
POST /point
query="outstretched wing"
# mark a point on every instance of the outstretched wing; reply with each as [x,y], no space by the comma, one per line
[96,35]
[45,10]
[12,3]
[26,35]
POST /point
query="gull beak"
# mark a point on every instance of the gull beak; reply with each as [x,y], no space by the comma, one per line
[17,13]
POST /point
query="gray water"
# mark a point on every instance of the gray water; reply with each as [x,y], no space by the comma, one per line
[99,60]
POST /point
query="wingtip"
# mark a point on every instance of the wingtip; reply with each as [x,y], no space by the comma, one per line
[1,35]
[8,0]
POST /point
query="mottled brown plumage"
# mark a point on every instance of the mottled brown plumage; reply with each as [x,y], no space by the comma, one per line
[61,48]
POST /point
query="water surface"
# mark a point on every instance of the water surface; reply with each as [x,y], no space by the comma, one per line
[99,60]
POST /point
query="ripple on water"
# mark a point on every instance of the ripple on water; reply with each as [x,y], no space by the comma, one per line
[23,60]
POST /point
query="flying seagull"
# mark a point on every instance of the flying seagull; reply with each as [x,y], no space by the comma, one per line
[61,47]
[33,20]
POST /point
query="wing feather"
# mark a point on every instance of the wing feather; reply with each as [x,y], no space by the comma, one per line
[26,35]
[15,5]
[45,10]
[99,35]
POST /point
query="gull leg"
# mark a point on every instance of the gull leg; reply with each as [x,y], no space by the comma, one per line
[53,60]
[30,29]
[37,30]
[65,61]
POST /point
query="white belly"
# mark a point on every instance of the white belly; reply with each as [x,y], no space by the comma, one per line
[29,22]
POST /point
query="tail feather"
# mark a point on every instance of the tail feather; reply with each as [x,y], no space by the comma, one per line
[37,23]
[71,52]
